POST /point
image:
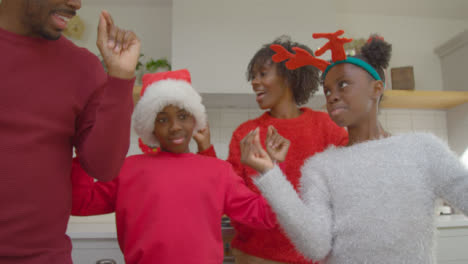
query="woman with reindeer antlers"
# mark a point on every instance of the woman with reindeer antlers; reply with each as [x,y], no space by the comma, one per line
[280,92]
[373,200]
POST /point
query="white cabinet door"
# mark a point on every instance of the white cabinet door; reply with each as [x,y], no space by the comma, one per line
[91,251]
[452,245]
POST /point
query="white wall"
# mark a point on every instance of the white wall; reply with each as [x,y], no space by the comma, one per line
[215,39]
[151,22]
[413,40]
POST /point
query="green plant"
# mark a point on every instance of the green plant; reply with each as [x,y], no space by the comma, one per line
[154,65]
[139,64]
[150,66]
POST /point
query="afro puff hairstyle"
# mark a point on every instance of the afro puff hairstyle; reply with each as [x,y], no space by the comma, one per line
[377,52]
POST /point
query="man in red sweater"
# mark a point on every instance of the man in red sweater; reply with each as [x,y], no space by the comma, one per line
[56,96]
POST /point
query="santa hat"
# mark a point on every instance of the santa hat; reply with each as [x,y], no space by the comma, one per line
[160,90]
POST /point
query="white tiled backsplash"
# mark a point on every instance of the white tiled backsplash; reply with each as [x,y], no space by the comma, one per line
[223,121]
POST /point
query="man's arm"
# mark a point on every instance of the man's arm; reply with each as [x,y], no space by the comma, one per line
[103,129]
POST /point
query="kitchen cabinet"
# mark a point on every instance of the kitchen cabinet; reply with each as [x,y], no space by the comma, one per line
[452,239]
[106,251]
[452,245]
[453,55]
[95,241]
[98,241]
[96,251]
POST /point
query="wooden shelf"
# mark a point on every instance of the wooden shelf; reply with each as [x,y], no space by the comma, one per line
[417,99]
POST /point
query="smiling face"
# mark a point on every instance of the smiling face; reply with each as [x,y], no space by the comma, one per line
[47,18]
[173,128]
[351,95]
[269,87]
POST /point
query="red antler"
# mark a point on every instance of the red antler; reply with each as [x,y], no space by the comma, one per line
[335,45]
[301,58]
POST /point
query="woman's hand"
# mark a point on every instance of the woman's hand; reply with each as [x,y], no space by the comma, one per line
[277,146]
[253,154]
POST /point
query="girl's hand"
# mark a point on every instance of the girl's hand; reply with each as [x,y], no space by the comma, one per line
[253,154]
[202,137]
[277,146]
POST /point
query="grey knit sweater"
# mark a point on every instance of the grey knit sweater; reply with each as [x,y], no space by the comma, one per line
[369,203]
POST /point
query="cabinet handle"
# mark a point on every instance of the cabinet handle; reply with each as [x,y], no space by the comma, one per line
[106,261]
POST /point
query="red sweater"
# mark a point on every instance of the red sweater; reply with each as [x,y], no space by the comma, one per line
[309,133]
[169,206]
[50,103]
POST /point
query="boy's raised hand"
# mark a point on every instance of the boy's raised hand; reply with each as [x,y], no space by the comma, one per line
[277,146]
[120,49]
[202,137]
[253,154]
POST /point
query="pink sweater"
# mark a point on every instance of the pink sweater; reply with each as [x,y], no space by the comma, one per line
[169,206]
[54,96]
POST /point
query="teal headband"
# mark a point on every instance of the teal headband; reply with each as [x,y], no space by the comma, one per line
[356,61]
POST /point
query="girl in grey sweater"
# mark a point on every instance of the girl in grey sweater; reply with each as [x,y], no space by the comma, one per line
[372,201]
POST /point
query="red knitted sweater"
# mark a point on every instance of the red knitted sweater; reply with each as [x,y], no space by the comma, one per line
[55,96]
[309,133]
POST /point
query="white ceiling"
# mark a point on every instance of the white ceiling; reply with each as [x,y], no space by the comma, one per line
[446,9]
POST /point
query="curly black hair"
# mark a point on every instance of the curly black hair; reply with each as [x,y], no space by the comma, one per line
[304,81]
[377,52]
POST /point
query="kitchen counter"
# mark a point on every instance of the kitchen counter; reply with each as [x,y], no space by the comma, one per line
[451,221]
[97,241]
[83,230]
[92,230]
[106,230]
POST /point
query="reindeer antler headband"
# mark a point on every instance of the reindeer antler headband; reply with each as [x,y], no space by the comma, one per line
[335,45]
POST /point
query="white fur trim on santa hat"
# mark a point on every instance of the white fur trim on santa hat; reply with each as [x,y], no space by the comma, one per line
[159,95]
